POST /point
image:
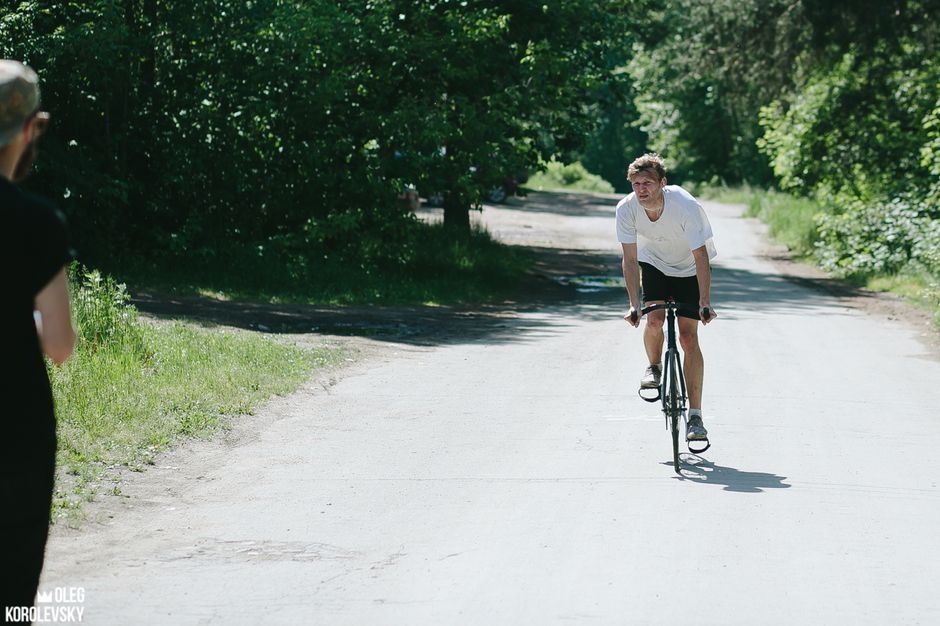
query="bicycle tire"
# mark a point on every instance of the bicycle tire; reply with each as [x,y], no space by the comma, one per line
[675,417]
[671,404]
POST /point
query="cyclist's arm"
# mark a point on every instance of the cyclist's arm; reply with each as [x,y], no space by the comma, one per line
[703,274]
[631,276]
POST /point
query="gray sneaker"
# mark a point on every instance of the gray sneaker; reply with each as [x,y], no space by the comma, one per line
[695,430]
[651,379]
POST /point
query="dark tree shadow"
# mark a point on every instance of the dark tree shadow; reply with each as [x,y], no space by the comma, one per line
[696,469]
[562,283]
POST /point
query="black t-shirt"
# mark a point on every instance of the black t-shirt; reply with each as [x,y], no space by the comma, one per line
[34,247]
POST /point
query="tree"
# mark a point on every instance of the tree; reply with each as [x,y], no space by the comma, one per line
[703,70]
[498,87]
[182,125]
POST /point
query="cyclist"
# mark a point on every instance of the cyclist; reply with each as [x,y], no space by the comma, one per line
[667,248]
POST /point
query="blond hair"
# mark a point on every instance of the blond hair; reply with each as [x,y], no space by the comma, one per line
[651,163]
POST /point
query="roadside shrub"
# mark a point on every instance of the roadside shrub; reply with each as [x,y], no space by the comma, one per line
[103,314]
[926,247]
[930,153]
[878,237]
[572,176]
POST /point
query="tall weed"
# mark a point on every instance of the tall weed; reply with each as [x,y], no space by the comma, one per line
[102,311]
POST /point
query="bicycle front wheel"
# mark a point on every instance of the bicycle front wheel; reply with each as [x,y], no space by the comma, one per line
[671,401]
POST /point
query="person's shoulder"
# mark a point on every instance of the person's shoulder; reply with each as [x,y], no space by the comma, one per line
[685,200]
[681,194]
[626,203]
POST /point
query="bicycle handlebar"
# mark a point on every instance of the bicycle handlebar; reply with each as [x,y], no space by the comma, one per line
[682,310]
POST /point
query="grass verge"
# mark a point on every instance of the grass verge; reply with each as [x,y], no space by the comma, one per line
[915,285]
[120,407]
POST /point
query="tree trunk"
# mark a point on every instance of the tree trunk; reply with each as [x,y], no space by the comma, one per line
[456,214]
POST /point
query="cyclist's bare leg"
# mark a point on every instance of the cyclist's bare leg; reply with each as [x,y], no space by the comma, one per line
[653,336]
[694,363]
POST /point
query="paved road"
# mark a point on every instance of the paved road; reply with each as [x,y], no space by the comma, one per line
[514,477]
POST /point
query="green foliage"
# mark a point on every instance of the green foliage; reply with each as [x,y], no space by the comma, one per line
[880,238]
[189,130]
[702,71]
[930,153]
[569,176]
[743,194]
[353,264]
[499,87]
[914,283]
[862,133]
[132,388]
[180,125]
[618,139]
[841,99]
[791,219]
[850,131]
[844,88]
[103,315]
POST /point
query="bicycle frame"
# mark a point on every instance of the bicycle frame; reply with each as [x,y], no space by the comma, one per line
[672,389]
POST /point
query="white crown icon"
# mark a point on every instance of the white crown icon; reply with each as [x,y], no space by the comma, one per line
[44,596]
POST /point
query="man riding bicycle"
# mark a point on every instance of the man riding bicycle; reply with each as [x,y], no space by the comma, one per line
[667,247]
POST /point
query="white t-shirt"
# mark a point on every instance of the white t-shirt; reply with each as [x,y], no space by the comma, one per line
[667,243]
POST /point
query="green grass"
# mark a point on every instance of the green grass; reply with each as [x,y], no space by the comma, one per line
[117,408]
[431,266]
[728,195]
[915,285]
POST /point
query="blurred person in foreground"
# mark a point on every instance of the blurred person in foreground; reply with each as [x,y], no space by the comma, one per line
[37,321]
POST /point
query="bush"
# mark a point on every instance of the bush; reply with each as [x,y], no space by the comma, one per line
[102,312]
[572,176]
[879,237]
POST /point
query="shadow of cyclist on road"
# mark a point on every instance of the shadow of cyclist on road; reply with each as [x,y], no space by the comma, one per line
[697,469]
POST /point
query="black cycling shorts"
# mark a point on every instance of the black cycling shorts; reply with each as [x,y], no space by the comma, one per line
[658,287]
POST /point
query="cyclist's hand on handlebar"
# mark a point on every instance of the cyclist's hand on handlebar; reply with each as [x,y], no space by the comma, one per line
[632,317]
[706,313]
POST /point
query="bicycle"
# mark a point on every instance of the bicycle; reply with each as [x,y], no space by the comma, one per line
[671,388]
